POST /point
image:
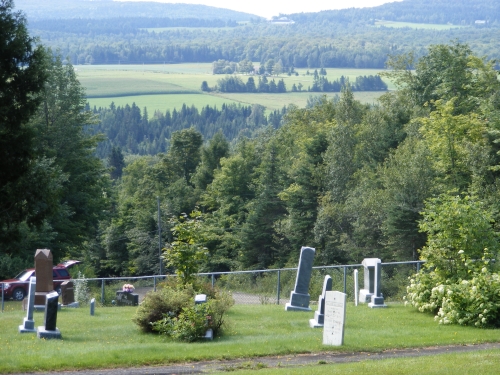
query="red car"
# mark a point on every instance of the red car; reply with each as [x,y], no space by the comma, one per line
[18,287]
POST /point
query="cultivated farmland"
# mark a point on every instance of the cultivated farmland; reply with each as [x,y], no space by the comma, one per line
[168,86]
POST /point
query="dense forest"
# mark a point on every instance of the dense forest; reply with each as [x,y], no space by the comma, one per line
[134,132]
[343,38]
[349,179]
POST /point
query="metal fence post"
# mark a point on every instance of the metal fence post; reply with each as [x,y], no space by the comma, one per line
[278,288]
[213,280]
[345,279]
[154,283]
[418,267]
[102,291]
[2,297]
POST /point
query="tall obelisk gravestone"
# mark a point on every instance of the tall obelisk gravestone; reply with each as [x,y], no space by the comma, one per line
[43,272]
[28,322]
[299,298]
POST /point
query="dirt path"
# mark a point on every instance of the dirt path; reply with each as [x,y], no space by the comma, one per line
[208,367]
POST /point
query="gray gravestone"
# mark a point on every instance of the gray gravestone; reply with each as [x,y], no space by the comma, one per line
[299,298]
[50,331]
[333,331]
[28,322]
[377,299]
[92,306]
[319,315]
[126,298]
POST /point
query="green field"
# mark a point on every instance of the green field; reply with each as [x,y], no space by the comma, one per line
[168,86]
[411,25]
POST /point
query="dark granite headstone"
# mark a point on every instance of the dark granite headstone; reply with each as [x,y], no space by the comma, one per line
[319,315]
[299,298]
[126,298]
[50,331]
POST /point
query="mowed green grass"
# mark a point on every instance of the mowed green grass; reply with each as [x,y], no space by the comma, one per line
[111,339]
[411,25]
[168,86]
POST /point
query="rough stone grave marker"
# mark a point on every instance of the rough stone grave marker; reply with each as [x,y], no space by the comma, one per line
[68,294]
[333,331]
[28,322]
[43,272]
[299,298]
[319,315]
[50,330]
[126,298]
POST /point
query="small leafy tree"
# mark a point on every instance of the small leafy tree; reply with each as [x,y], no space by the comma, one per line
[186,253]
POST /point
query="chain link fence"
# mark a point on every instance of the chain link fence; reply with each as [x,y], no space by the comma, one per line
[255,287]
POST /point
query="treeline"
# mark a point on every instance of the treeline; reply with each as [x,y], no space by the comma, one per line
[235,84]
[362,83]
[460,12]
[89,9]
[134,132]
[348,179]
[296,46]
[120,25]
[320,84]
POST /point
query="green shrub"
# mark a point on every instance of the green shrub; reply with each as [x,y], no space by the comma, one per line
[171,311]
[165,301]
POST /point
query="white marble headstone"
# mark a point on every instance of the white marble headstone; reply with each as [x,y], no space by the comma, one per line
[333,331]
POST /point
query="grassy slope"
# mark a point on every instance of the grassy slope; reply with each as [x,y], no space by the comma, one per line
[110,339]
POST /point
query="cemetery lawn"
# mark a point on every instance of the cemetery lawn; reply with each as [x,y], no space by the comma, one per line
[111,340]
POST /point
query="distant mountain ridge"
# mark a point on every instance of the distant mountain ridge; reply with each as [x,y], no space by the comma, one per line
[457,12]
[102,9]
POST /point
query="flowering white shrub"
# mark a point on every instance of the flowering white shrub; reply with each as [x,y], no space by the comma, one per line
[458,283]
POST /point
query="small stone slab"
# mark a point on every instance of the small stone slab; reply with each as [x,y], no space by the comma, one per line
[200,298]
[209,334]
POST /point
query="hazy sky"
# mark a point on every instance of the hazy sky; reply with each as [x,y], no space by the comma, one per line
[271,8]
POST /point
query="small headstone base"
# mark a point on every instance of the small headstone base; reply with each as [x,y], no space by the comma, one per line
[365,296]
[27,326]
[377,302]
[290,307]
[318,321]
[298,302]
[72,305]
[42,333]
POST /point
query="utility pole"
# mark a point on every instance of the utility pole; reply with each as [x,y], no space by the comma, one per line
[159,236]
